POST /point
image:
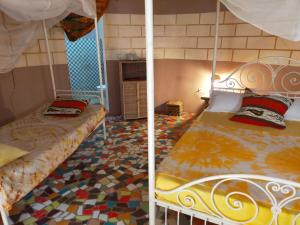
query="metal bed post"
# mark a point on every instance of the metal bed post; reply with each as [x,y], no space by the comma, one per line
[99,59]
[4,215]
[99,70]
[150,108]
[214,64]
[49,60]
[104,75]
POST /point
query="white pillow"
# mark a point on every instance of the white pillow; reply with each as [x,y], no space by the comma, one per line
[224,101]
[293,112]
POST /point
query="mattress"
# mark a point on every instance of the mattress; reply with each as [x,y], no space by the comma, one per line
[49,141]
[214,145]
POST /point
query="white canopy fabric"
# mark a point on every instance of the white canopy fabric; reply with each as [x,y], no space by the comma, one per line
[277,17]
[21,23]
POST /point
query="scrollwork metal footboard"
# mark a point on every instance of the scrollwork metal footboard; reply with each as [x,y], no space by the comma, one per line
[273,195]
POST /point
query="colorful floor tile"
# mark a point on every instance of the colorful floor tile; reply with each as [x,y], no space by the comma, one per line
[103,182]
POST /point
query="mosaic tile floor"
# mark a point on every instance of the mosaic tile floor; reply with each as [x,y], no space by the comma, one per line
[103,182]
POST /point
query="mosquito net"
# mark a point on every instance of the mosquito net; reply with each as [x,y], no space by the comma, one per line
[277,17]
[21,23]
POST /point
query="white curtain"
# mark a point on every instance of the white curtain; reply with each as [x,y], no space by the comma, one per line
[21,23]
[277,17]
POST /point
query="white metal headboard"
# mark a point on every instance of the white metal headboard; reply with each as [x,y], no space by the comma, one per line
[274,74]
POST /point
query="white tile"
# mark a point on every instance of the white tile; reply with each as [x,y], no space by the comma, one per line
[24,216]
[295,55]
[80,210]
[137,19]
[117,19]
[176,31]
[247,30]
[261,42]
[223,54]
[37,59]
[158,31]
[34,48]
[90,202]
[230,18]
[159,53]
[103,217]
[224,30]
[198,30]
[70,216]
[21,62]
[111,30]
[138,43]
[60,58]
[130,31]
[175,42]
[266,53]
[9,21]
[164,19]
[96,214]
[234,42]
[286,44]
[98,185]
[38,206]
[191,18]
[117,43]
[63,207]
[276,60]
[122,54]
[210,18]
[196,54]
[54,45]
[174,53]
[266,34]
[131,187]
[207,42]
[244,55]
[57,33]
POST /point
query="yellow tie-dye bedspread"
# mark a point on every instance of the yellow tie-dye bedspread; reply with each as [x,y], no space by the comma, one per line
[214,145]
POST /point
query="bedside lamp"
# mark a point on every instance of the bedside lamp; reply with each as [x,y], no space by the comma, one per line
[205,91]
[217,77]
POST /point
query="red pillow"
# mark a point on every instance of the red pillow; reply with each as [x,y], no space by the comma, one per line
[66,107]
[263,110]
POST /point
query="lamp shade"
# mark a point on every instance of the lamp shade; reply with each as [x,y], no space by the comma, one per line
[217,77]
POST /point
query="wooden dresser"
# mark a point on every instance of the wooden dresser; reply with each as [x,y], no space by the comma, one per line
[133,89]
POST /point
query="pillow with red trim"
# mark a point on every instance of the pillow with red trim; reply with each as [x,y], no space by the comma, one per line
[263,110]
[66,107]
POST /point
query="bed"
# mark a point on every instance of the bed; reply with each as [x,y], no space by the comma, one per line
[49,141]
[215,146]
[226,172]
[46,140]
[264,194]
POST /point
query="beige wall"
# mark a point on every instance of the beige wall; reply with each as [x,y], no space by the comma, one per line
[28,86]
[191,37]
[162,6]
[183,51]
[25,89]
[177,36]
[183,41]
[36,54]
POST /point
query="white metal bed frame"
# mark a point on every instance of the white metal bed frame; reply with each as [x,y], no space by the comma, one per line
[68,93]
[79,93]
[271,187]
